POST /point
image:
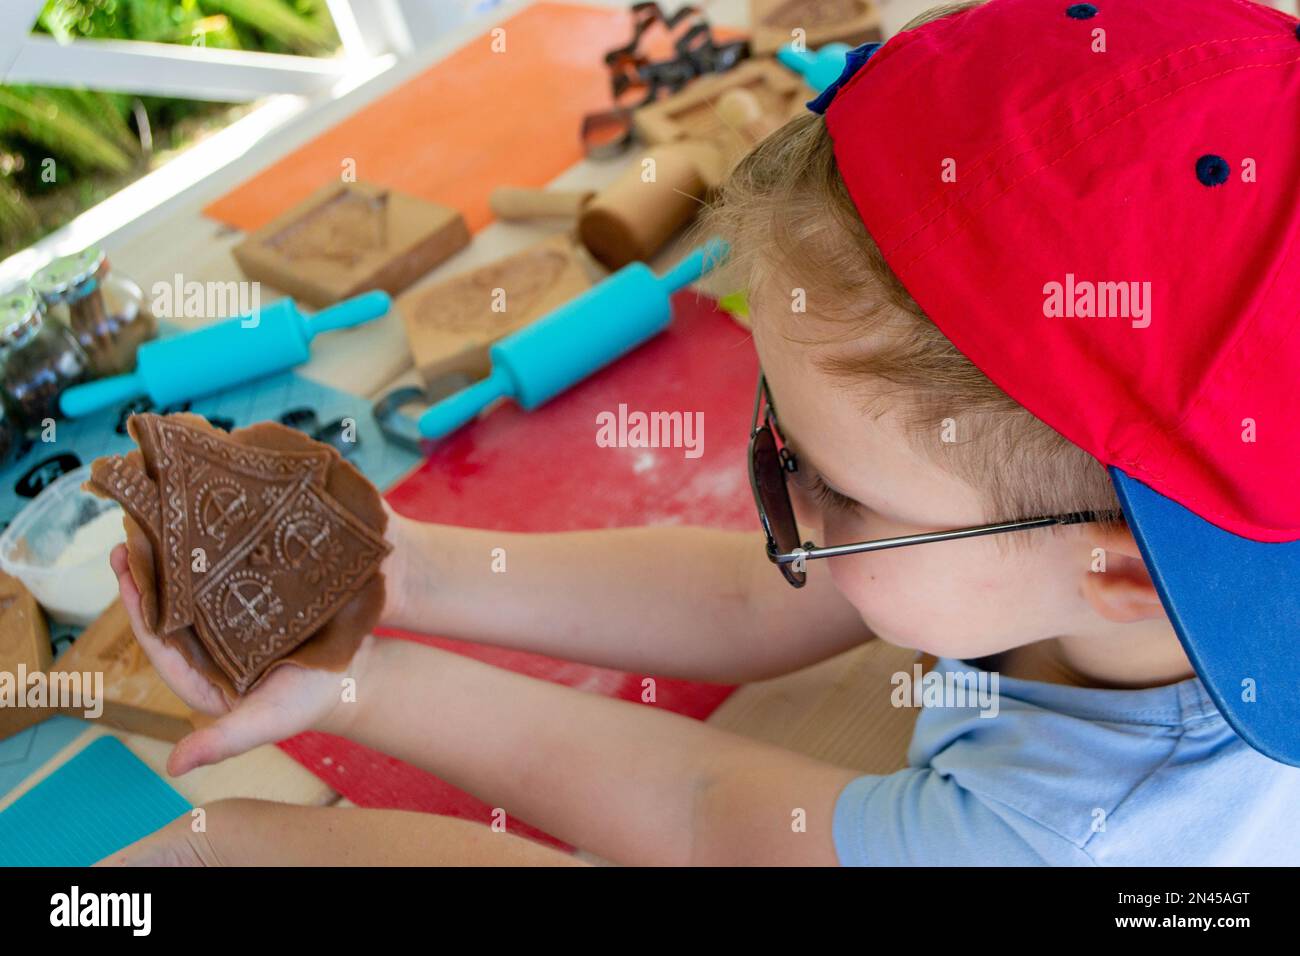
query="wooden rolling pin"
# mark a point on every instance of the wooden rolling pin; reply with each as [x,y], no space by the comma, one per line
[741,111]
[634,216]
[514,203]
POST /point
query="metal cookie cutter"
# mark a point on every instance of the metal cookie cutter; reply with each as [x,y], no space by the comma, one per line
[636,80]
[403,429]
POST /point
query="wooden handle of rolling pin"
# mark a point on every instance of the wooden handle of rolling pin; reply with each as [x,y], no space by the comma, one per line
[514,203]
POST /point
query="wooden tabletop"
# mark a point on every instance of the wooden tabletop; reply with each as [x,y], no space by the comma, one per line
[838,710]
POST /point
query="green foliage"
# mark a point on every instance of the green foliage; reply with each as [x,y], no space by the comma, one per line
[16,215]
[98,135]
[64,124]
[300,28]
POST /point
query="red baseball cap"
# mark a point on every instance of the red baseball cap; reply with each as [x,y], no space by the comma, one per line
[1099,205]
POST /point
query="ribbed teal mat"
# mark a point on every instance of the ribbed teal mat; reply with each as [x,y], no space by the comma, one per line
[101,800]
[26,751]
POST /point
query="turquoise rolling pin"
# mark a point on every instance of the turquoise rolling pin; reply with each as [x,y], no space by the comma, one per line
[188,366]
[565,346]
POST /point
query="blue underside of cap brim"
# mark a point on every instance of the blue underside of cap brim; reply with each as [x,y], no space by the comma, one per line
[1235,604]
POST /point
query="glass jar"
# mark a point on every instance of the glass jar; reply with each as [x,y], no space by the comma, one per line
[38,359]
[104,311]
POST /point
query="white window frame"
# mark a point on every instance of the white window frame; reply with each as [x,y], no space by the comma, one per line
[368,29]
[374,38]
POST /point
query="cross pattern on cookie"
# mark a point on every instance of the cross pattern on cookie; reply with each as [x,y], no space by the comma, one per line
[240,612]
[210,494]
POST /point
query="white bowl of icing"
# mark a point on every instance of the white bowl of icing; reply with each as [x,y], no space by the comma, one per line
[58,546]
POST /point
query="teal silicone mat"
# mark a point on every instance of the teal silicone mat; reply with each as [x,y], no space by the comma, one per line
[101,800]
[285,396]
[26,751]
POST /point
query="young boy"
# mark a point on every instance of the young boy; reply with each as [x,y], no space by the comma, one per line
[1048,254]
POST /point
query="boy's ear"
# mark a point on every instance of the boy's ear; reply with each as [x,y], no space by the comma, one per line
[1123,591]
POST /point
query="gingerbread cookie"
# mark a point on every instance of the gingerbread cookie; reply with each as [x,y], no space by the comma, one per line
[249,549]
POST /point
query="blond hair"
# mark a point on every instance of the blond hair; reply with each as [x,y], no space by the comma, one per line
[786,212]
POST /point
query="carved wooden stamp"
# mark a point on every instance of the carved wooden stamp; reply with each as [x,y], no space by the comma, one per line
[135,697]
[693,113]
[450,325]
[349,238]
[24,640]
[774,23]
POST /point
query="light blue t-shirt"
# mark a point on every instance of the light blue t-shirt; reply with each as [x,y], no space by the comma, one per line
[1076,777]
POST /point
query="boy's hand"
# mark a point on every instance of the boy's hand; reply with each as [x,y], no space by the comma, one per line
[292,699]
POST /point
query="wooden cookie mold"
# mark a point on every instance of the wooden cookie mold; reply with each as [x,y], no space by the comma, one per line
[774,22]
[349,238]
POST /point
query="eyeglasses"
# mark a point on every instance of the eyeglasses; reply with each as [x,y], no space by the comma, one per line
[770,462]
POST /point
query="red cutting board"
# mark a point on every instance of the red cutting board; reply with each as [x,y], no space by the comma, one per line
[543,471]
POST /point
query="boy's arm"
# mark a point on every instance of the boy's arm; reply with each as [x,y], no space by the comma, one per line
[261,833]
[684,602]
[628,782]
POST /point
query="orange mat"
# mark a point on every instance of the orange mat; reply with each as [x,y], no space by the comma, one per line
[473,121]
